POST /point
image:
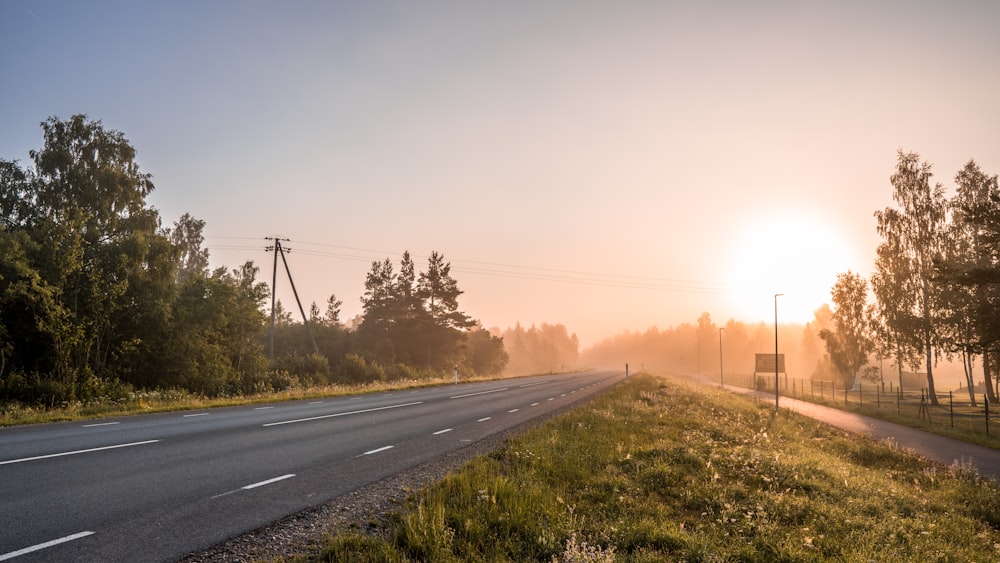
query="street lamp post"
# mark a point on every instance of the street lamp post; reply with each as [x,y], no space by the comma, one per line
[722,377]
[776,296]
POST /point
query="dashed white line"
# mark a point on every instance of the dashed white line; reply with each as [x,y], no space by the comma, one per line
[78,452]
[268,482]
[377,450]
[479,393]
[484,419]
[316,403]
[100,424]
[196,414]
[263,408]
[551,399]
[442,431]
[513,410]
[341,414]
[534,404]
[45,545]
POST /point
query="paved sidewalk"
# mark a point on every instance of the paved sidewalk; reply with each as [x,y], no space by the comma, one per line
[932,446]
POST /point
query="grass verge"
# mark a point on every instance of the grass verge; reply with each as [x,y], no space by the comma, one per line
[663,470]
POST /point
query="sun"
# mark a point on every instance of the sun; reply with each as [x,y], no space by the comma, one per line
[795,254]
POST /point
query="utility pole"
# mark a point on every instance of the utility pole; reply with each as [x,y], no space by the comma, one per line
[274,285]
[305,320]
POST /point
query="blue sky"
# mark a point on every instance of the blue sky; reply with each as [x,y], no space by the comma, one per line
[672,158]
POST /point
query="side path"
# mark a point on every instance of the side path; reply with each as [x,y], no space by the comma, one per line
[932,446]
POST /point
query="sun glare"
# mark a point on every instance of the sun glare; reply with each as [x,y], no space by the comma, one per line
[796,255]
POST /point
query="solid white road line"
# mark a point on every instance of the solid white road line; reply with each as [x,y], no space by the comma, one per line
[100,424]
[77,452]
[479,393]
[268,482]
[377,450]
[42,546]
[341,414]
[442,431]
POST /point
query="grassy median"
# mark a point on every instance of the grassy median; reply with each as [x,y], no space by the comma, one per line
[661,470]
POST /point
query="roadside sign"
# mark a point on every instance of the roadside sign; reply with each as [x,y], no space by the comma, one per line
[765,363]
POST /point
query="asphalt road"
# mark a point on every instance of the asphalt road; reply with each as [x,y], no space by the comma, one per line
[156,487]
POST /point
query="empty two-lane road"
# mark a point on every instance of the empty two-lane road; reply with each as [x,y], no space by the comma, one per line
[156,487]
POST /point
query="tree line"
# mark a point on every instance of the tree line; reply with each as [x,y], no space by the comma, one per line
[936,282]
[97,298]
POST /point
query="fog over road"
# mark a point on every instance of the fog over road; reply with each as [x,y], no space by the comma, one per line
[156,487]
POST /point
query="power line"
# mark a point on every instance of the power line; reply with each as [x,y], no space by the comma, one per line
[494,269]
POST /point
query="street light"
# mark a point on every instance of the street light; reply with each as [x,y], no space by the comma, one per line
[722,380]
[776,296]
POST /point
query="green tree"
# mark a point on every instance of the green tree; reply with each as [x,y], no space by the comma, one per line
[485,352]
[332,315]
[914,234]
[970,272]
[850,343]
[187,238]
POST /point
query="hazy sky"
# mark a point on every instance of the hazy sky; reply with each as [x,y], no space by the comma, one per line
[605,165]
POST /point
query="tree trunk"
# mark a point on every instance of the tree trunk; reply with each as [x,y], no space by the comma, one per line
[969,379]
[988,376]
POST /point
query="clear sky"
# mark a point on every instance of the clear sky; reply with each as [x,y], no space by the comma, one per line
[605,165]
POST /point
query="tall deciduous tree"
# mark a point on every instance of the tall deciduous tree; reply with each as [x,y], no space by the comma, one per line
[850,343]
[913,235]
[187,238]
[971,272]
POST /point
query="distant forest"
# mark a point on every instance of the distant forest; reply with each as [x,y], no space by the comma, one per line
[98,299]
[934,296]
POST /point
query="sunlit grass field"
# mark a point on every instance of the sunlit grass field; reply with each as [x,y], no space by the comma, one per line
[659,469]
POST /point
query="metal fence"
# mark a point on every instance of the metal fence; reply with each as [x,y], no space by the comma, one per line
[954,409]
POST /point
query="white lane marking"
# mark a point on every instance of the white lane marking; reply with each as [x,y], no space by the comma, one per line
[268,482]
[377,450]
[513,410]
[534,404]
[563,395]
[442,431]
[316,403]
[263,408]
[479,393]
[341,414]
[484,419]
[550,399]
[196,414]
[533,384]
[100,424]
[42,546]
[78,452]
